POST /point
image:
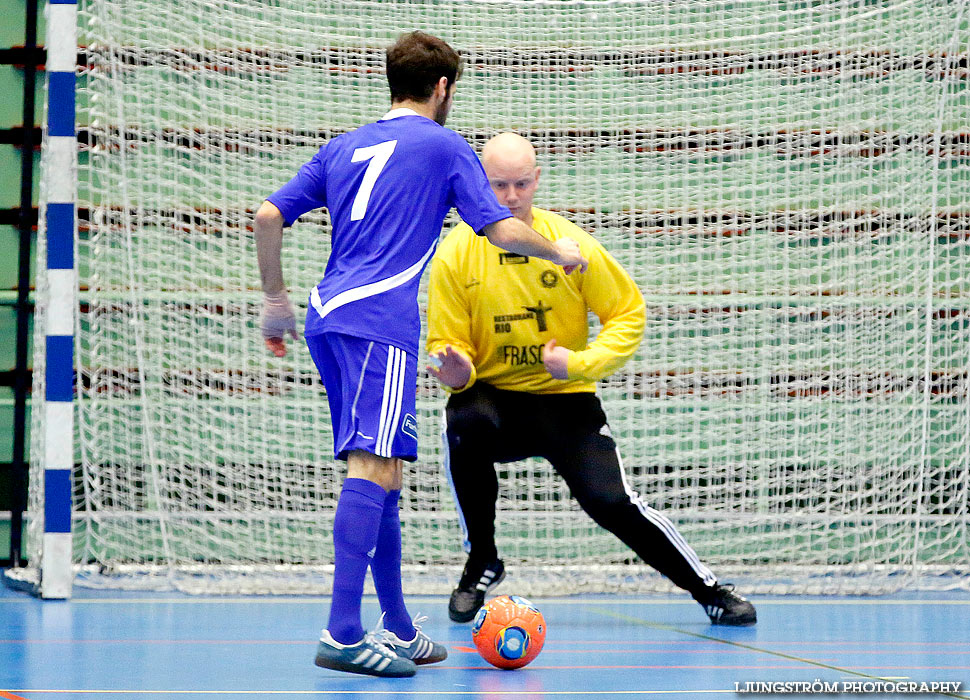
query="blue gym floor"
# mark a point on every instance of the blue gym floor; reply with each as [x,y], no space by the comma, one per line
[120,645]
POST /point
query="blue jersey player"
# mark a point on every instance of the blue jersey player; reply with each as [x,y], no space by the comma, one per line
[388,186]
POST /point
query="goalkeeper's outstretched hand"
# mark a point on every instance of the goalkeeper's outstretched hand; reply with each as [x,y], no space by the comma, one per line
[276,319]
[450,367]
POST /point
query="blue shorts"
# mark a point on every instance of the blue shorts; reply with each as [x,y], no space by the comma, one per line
[371,388]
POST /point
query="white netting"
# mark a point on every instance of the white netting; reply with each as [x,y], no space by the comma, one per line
[789,183]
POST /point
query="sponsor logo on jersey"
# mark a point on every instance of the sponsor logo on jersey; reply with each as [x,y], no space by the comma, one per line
[503,322]
[506,318]
[539,310]
[409,426]
[549,279]
[519,355]
[512,259]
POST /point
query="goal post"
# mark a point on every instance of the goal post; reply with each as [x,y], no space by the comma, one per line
[787,182]
[52,464]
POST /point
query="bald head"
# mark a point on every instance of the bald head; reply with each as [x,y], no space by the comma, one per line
[510,164]
[508,148]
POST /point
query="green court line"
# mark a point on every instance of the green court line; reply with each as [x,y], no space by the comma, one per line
[748,647]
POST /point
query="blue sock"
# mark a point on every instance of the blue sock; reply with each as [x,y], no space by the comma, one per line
[386,568]
[355,527]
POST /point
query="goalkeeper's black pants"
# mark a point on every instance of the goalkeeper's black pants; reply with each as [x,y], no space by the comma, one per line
[486,425]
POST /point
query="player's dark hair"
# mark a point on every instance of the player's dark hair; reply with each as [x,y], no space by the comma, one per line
[415,64]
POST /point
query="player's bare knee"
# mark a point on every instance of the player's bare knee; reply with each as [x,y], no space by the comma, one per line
[384,471]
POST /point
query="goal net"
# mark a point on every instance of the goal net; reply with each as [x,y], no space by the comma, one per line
[788,182]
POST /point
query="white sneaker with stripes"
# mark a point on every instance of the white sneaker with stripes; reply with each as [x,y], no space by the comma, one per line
[369,656]
[421,650]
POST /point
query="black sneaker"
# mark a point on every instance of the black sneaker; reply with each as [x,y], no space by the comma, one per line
[725,607]
[476,580]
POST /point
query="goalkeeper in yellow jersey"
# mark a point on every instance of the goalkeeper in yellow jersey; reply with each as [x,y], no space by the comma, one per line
[508,337]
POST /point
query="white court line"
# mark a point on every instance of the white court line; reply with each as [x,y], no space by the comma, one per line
[571,600]
[313,600]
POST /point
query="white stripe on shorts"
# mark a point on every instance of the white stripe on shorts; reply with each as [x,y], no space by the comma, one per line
[391,401]
[394,404]
[401,374]
[388,371]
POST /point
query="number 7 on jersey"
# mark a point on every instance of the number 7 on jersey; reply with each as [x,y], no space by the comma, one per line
[378,155]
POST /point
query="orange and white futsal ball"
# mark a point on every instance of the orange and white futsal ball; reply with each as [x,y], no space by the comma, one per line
[509,631]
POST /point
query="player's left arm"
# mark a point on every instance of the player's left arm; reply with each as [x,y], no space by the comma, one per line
[613,296]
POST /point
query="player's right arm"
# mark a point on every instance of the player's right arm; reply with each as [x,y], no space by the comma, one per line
[517,237]
[304,192]
[268,231]
[276,318]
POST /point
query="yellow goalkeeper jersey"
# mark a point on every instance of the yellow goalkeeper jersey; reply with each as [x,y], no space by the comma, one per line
[499,309]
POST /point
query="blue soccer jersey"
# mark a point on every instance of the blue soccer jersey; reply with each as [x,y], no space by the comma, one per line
[388,187]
